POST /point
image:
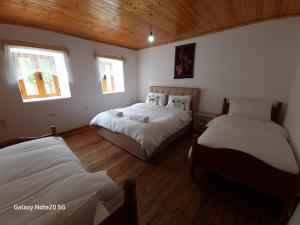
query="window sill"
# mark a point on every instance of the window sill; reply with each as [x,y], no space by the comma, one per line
[112,92]
[44,99]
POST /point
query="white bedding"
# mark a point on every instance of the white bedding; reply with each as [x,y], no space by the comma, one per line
[45,172]
[264,140]
[163,122]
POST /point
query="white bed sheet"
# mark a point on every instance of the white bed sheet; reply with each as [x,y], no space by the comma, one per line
[45,172]
[264,140]
[163,123]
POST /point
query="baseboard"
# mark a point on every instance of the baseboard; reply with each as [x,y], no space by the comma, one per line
[63,133]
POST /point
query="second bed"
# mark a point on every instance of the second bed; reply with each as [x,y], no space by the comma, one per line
[144,140]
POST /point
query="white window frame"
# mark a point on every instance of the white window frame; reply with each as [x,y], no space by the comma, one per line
[61,64]
[98,57]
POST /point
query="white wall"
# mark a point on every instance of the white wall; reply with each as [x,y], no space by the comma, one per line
[292,118]
[34,118]
[292,123]
[254,61]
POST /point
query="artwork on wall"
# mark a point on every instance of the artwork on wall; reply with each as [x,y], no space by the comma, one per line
[184,61]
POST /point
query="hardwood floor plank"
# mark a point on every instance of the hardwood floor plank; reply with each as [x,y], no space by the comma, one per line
[166,194]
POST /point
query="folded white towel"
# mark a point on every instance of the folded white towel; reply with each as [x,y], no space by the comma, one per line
[139,118]
[115,112]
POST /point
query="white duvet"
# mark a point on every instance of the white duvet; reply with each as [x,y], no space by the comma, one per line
[163,122]
[266,141]
[43,173]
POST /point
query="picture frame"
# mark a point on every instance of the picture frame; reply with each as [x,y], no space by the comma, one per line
[184,61]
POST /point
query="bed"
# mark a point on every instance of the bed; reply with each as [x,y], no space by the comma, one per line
[43,182]
[145,140]
[250,152]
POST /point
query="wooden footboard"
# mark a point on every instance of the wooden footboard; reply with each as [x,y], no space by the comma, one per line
[23,139]
[249,171]
[127,213]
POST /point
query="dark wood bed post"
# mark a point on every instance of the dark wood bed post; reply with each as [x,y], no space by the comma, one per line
[130,202]
[23,139]
[225,106]
[127,213]
[276,113]
[193,155]
[53,131]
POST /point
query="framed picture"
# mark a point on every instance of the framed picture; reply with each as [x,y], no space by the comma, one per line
[184,61]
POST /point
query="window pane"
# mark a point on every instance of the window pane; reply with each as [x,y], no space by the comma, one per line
[54,73]
[49,83]
[26,66]
[111,74]
[107,78]
[30,84]
[44,65]
[28,77]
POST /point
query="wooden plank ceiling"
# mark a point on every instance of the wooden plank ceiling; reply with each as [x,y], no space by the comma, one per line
[126,22]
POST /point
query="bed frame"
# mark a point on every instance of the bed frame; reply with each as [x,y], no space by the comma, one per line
[125,214]
[247,170]
[132,146]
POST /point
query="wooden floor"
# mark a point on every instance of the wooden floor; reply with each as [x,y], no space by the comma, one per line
[166,194]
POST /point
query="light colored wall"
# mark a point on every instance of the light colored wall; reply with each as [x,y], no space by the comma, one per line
[292,123]
[34,118]
[255,61]
[292,118]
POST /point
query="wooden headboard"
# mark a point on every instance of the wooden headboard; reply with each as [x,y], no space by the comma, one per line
[194,92]
[275,114]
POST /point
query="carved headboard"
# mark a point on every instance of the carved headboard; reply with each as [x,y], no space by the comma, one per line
[275,114]
[194,92]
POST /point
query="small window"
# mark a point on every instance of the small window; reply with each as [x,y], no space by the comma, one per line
[41,74]
[111,75]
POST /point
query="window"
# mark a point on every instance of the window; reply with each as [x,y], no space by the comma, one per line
[41,74]
[111,75]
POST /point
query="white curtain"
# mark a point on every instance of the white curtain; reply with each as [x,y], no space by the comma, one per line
[9,67]
[113,68]
[68,68]
[101,68]
[26,64]
[23,61]
[98,70]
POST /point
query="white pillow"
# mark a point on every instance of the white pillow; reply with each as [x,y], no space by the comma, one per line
[180,102]
[256,109]
[156,98]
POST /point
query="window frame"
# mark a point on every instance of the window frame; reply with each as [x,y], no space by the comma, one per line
[41,88]
[42,82]
[119,58]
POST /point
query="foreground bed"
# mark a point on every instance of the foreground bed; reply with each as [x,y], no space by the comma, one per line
[43,182]
[144,140]
[225,148]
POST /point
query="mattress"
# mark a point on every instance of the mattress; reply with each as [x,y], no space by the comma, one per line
[264,140]
[43,182]
[163,123]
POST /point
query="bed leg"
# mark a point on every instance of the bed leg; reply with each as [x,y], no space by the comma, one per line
[193,156]
[130,202]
